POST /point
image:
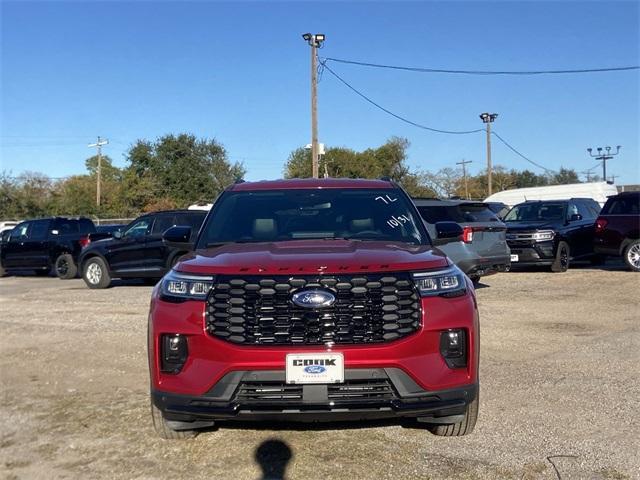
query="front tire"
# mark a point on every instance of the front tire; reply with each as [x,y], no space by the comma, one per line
[561,263]
[162,428]
[95,273]
[65,267]
[475,280]
[632,256]
[465,427]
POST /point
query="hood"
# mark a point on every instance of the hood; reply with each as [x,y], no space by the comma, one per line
[528,226]
[312,257]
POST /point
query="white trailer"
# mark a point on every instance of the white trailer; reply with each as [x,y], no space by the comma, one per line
[599,191]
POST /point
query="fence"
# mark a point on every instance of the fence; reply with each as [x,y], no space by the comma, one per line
[111,221]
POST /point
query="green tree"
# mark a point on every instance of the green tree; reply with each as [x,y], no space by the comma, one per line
[565,176]
[527,178]
[387,160]
[179,170]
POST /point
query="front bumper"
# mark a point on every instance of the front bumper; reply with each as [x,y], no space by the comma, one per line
[366,394]
[481,266]
[539,253]
[210,358]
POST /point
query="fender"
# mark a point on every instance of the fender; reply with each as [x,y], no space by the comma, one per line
[83,259]
[626,242]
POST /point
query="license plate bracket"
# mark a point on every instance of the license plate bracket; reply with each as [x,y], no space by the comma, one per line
[314,368]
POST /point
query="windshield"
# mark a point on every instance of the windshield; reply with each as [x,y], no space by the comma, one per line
[536,212]
[268,216]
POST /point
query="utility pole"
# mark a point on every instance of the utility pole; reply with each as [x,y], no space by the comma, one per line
[314,41]
[604,157]
[464,175]
[488,119]
[99,145]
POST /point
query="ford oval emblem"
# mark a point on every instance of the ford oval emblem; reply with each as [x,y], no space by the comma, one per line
[313,298]
[315,369]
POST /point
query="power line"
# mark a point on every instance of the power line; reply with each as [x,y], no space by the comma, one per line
[389,112]
[324,65]
[520,154]
[483,72]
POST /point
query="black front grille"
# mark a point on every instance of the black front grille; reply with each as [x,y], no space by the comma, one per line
[352,391]
[371,308]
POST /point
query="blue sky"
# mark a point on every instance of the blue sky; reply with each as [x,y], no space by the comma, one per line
[239,72]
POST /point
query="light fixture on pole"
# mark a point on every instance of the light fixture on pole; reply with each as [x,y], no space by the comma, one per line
[488,119]
[604,157]
[315,41]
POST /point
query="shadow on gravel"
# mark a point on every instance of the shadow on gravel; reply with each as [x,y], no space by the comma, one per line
[611,265]
[318,426]
[119,283]
[273,455]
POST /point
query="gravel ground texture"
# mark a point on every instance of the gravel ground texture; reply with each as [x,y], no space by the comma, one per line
[560,390]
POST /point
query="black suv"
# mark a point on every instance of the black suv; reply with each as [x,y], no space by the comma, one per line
[137,251]
[45,243]
[618,229]
[551,232]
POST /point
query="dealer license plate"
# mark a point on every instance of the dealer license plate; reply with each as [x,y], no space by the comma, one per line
[514,258]
[314,368]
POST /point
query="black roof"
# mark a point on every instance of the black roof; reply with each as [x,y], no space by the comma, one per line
[448,201]
[560,200]
[179,210]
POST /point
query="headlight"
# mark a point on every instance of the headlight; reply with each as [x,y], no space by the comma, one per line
[444,283]
[543,235]
[185,286]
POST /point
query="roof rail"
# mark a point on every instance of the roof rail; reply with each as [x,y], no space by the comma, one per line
[239,180]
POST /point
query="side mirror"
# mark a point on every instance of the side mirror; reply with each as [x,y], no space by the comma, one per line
[178,237]
[575,217]
[447,232]
[117,234]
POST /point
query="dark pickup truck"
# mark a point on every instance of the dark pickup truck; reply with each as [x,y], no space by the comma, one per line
[45,244]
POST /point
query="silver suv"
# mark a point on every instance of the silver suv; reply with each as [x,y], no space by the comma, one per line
[483,249]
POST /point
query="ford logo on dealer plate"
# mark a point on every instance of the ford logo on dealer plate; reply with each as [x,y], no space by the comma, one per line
[313,298]
[315,369]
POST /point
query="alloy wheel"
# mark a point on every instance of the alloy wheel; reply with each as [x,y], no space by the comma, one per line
[633,255]
[62,267]
[94,273]
[564,258]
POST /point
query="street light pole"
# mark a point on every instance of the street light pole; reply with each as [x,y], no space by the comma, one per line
[99,145]
[314,41]
[604,157]
[488,119]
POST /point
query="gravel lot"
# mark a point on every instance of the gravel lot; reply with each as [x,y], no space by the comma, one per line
[559,383]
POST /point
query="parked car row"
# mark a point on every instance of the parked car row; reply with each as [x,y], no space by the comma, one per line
[551,233]
[72,246]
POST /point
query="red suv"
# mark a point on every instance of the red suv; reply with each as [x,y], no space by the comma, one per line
[313,300]
[618,229]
